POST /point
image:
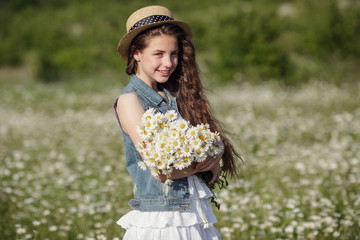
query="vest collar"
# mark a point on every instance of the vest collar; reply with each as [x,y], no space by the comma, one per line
[148,92]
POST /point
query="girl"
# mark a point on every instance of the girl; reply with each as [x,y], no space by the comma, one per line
[161,59]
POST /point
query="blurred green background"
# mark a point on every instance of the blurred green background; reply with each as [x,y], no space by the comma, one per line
[289,41]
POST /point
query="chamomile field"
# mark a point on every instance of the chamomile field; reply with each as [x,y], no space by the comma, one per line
[63,173]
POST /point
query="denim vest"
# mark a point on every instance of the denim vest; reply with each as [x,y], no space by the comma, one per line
[150,193]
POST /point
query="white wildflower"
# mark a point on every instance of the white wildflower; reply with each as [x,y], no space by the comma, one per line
[21,231]
[36,223]
[53,228]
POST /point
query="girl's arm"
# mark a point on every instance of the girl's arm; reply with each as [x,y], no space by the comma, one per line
[176,174]
[209,164]
[130,111]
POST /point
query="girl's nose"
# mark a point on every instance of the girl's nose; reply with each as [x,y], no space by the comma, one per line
[168,62]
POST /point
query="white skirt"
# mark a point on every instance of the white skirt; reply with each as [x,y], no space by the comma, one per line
[197,224]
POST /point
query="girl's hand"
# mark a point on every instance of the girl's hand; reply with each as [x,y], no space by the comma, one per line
[176,174]
[161,177]
[211,164]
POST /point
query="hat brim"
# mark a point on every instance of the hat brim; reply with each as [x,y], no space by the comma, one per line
[125,42]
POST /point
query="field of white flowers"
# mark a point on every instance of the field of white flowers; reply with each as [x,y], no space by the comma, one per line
[63,173]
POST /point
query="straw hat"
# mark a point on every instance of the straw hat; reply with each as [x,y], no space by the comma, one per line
[143,19]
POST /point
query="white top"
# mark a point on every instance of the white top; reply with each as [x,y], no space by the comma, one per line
[175,225]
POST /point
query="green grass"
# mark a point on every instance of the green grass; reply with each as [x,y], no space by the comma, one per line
[63,170]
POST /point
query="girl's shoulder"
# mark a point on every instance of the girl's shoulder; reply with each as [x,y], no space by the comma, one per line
[128,100]
[129,110]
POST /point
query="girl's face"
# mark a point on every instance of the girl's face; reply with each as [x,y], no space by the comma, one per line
[158,60]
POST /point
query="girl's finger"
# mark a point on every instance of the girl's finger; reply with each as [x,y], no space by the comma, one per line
[215,177]
[203,164]
[207,167]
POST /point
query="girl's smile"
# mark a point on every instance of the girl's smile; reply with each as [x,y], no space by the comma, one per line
[158,60]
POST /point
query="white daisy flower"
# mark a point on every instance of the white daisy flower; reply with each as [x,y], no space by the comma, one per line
[160,145]
[155,172]
[186,161]
[219,146]
[149,114]
[165,135]
[200,155]
[175,143]
[101,237]
[142,165]
[161,164]
[196,143]
[173,133]
[202,136]
[205,146]
[169,149]
[202,127]
[186,151]
[216,136]
[159,117]
[147,153]
[167,171]
[150,162]
[140,146]
[192,133]
[145,133]
[181,125]
[170,158]
[21,231]
[179,164]
[183,139]
[156,155]
[211,151]
[171,115]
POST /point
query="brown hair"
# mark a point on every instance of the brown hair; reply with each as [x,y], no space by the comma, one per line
[185,84]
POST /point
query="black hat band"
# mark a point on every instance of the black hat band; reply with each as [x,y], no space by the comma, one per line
[149,20]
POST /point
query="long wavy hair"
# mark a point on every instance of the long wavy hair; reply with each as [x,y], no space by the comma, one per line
[185,84]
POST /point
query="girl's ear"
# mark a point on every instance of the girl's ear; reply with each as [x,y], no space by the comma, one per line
[137,55]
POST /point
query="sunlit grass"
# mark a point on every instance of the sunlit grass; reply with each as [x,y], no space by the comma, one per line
[63,170]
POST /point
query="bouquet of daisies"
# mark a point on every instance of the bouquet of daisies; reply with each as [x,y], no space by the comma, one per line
[169,142]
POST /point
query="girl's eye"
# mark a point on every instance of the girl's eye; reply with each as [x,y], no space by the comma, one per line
[158,54]
[174,53]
